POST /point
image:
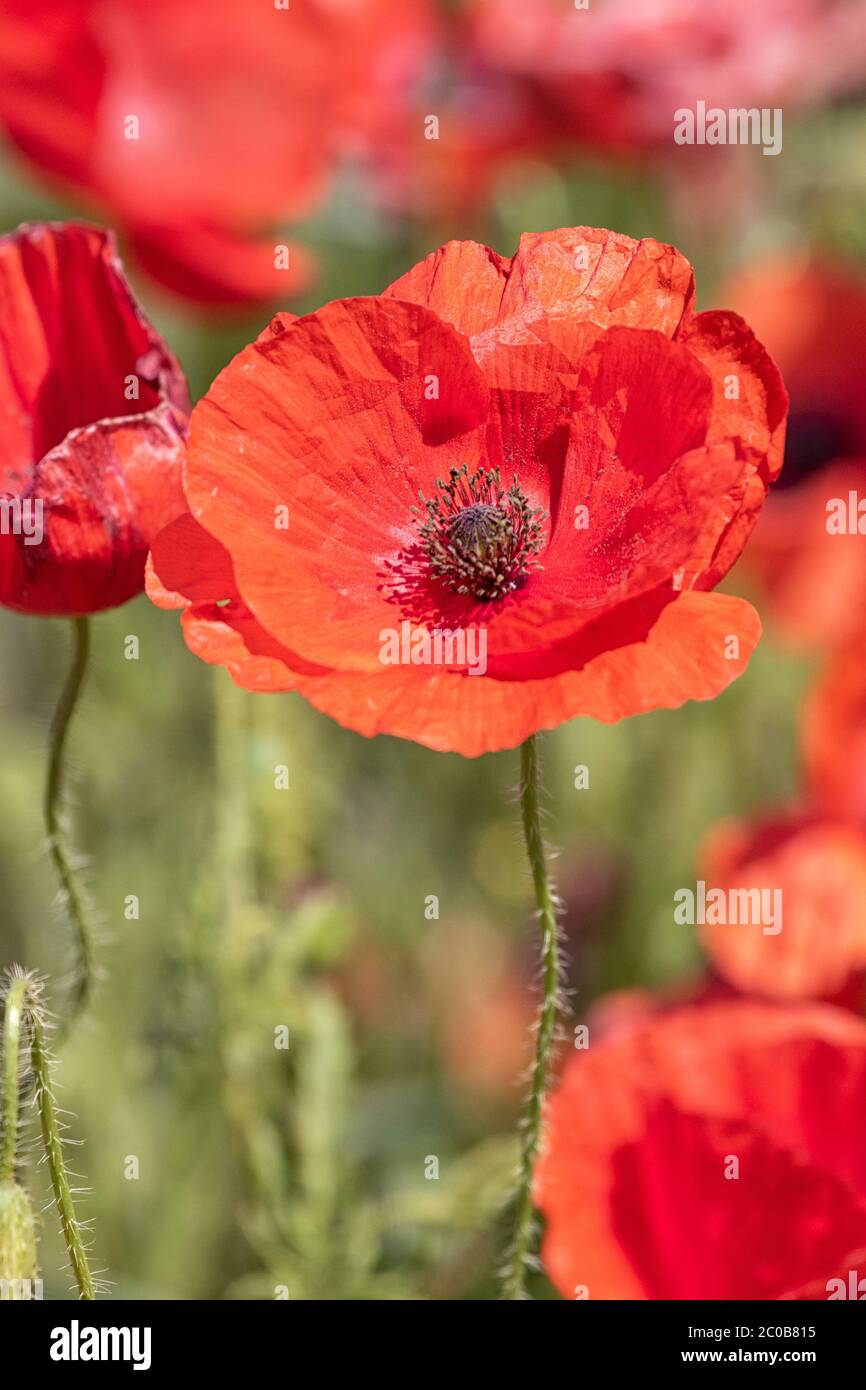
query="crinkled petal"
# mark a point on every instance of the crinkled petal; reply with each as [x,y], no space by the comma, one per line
[557,279]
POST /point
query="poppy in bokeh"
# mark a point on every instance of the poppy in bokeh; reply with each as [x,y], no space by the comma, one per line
[447,173]
[95,409]
[716,1152]
[479,121]
[551,457]
[834,734]
[200,132]
[793,923]
[813,319]
[616,71]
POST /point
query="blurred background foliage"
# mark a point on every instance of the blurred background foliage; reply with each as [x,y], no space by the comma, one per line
[307,1169]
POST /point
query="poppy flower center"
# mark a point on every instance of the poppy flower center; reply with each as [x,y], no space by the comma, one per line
[478,537]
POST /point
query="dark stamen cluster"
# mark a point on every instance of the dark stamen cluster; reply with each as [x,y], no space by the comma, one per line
[479,538]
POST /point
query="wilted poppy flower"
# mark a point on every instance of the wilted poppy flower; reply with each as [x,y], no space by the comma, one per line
[787,918]
[715,1153]
[491,499]
[810,558]
[94,413]
[617,70]
[200,134]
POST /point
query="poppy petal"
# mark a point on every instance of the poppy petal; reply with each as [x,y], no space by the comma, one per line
[663,1109]
[679,655]
[809,876]
[219,268]
[346,415]
[556,279]
[187,565]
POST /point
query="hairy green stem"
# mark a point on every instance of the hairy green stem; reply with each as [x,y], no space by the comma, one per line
[74,895]
[521,1251]
[13,1015]
[53,1143]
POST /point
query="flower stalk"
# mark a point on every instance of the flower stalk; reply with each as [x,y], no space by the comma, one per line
[521,1252]
[53,1144]
[24,1031]
[73,894]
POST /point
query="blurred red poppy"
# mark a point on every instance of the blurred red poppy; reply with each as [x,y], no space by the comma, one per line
[813,319]
[479,120]
[94,414]
[617,70]
[794,920]
[834,734]
[200,132]
[484,123]
[538,460]
[717,1152]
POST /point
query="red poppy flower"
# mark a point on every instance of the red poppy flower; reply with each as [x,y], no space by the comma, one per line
[94,412]
[717,1152]
[834,735]
[486,122]
[793,920]
[617,70]
[813,319]
[487,501]
[478,121]
[199,133]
